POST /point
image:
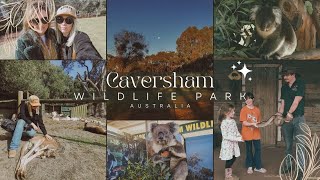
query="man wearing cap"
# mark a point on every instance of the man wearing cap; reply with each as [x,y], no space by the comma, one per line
[292,107]
[29,120]
[73,44]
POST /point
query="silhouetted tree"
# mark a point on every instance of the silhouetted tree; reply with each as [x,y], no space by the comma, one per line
[130,45]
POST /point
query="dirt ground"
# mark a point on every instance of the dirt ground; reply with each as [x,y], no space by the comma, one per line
[83,155]
[271,159]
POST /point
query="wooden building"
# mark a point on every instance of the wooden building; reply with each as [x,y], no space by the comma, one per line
[266,82]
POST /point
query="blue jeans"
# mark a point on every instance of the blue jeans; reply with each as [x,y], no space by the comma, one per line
[290,130]
[17,134]
[253,160]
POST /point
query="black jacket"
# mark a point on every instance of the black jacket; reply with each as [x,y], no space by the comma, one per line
[36,119]
[28,47]
[83,47]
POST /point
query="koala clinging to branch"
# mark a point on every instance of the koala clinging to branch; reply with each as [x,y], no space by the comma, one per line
[164,146]
[279,38]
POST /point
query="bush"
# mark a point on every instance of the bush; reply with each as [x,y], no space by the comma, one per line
[147,171]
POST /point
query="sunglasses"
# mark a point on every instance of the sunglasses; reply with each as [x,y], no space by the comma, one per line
[43,20]
[68,20]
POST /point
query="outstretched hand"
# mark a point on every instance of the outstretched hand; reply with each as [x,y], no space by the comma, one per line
[255,125]
[48,137]
[289,117]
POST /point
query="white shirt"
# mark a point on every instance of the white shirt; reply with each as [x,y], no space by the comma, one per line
[230,139]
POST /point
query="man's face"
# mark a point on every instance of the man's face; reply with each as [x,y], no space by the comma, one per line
[288,77]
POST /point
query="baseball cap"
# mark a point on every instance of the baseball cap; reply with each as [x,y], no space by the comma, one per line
[67,10]
[34,100]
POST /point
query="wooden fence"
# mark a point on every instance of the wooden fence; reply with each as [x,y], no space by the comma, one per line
[75,108]
[79,111]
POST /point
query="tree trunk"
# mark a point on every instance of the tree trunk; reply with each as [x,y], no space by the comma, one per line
[99,109]
[306,32]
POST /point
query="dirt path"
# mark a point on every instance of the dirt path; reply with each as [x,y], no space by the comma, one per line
[83,155]
[271,159]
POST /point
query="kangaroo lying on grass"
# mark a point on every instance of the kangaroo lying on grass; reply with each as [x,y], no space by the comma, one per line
[94,129]
[38,146]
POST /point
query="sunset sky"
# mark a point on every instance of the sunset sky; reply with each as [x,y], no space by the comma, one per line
[160,21]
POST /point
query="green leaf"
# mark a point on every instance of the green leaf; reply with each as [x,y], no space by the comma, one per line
[308,7]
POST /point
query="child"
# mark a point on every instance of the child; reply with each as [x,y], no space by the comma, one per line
[250,116]
[230,137]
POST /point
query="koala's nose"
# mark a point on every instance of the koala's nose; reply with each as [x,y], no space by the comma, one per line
[160,136]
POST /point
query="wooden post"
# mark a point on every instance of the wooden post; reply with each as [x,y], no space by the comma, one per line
[43,109]
[146,134]
[20,97]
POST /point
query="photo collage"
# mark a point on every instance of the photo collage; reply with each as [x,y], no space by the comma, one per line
[159,89]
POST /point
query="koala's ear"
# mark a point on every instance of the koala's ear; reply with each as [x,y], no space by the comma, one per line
[153,125]
[254,11]
[277,13]
[173,127]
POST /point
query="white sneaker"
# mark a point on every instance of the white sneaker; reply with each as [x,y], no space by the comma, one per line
[262,170]
[249,171]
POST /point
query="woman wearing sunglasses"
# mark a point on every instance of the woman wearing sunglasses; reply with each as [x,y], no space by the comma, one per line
[73,44]
[37,41]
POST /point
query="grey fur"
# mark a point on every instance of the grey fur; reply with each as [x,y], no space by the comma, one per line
[163,140]
[279,37]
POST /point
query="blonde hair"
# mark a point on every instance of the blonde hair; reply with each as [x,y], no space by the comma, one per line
[72,33]
[33,9]
[224,110]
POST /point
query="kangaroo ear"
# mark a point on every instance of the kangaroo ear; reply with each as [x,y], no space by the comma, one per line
[254,11]
[153,125]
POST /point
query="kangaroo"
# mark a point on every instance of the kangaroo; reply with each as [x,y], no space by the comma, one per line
[94,129]
[38,146]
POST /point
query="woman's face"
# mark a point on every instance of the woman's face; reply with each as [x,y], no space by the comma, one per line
[34,107]
[40,22]
[65,24]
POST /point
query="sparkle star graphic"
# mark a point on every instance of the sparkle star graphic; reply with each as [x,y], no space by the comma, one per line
[239,62]
[233,67]
[245,71]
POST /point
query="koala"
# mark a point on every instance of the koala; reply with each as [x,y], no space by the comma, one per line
[279,38]
[166,148]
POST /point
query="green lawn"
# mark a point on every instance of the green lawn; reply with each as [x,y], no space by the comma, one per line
[94,27]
